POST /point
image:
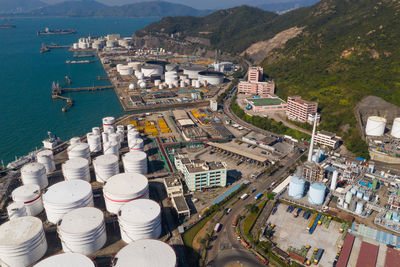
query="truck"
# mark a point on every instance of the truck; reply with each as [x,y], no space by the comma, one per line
[297,212]
[217,227]
[318,255]
[312,221]
[258,196]
[315,224]
[235,221]
[244,196]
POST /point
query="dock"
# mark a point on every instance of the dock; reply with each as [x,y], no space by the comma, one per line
[93,88]
[103,78]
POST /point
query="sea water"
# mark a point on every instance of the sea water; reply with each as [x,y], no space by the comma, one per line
[27,111]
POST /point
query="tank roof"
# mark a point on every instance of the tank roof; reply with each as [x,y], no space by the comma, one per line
[211,73]
[140,210]
[76,163]
[105,159]
[33,167]
[26,192]
[67,191]
[135,155]
[147,252]
[81,220]
[66,260]
[19,230]
[126,184]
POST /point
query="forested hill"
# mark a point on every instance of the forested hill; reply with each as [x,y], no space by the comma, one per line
[347,49]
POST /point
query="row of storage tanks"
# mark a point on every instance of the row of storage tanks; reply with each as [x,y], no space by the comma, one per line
[100,43]
[70,205]
[316,192]
[376,126]
[360,197]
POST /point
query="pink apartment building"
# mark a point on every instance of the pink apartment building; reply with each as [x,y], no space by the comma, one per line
[254,84]
[299,109]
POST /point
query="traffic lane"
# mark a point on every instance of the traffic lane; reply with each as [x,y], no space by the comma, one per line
[236,256]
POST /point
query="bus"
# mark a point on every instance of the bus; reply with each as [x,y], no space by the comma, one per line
[235,221]
[258,196]
[217,227]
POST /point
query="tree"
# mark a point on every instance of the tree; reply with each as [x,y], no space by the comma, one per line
[252,208]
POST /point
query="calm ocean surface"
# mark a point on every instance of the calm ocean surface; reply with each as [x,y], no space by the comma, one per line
[27,111]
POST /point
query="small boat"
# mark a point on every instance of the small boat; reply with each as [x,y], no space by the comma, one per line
[44,49]
[7,26]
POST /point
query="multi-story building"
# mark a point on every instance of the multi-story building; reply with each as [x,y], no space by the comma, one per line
[255,74]
[327,139]
[200,174]
[299,109]
[262,89]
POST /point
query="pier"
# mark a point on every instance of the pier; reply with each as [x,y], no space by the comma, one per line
[103,78]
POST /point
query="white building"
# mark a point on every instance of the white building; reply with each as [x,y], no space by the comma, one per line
[200,174]
[327,139]
[213,105]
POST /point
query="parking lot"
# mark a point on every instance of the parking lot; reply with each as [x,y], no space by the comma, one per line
[291,231]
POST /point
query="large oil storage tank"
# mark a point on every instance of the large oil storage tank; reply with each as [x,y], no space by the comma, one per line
[146,252]
[22,241]
[149,70]
[94,142]
[135,162]
[63,197]
[82,231]
[316,195]
[111,148]
[140,219]
[108,122]
[79,150]
[296,187]
[375,126]
[193,71]
[31,196]
[16,210]
[66,260]
[105,166]
[396,128]
[171,67]
[46,158]
[136,66]
[159,63]
[34,173]
[125,70]
[76,169]
[212,77]
[123,188]
[136,144]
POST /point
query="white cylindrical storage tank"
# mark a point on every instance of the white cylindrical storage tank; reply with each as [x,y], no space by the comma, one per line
[65,196]
[16,210]
[142,85]
[108,122]
[105,166]
[349,196]
[182,84]
[94,142]
[34,173]
[341,202]
[132,135]
[149,70]
[120,128]
[121,135]
[119,67]
[22,241]
[359,207]
[316,195]
[334,180]
[135,162]
[66,260]
[104,137]
[31,196]
[131,86]
[76,169]
[171,67]
[346,205]
[161,87]
[140,219]
[296,187]
[193,71]
[137,66]
[211,77]
[353,190]
[74,140]
[136,144]
[146,252]
[125,70]
[80,150]
[114,137]
[360,195]
[396,128]
[366,197]
[176,83]
[47,159]
[375,126]
[130,127]
[123,188]
[82,230]
[111,148]
[157,82]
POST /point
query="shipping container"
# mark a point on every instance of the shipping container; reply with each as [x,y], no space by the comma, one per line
[312,221]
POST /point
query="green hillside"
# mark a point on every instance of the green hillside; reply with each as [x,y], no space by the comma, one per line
[348,49]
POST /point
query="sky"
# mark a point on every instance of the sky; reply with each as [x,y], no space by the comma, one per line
[199,4]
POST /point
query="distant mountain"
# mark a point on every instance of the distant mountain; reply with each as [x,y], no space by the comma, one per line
[91,8]
[83,8]
[286,6]
[19,6]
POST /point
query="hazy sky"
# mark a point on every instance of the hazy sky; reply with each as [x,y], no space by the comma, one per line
[200,4]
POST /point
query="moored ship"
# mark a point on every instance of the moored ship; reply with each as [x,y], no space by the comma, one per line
[47,31]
